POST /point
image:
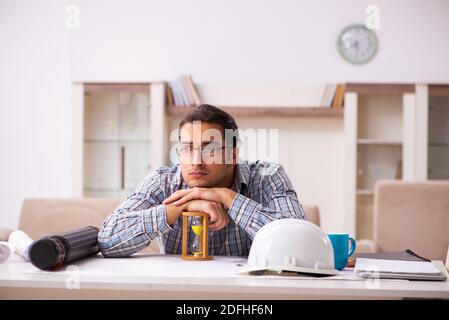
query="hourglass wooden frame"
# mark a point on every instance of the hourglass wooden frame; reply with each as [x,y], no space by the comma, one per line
[204,236]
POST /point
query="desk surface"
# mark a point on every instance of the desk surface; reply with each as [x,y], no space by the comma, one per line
[169,277]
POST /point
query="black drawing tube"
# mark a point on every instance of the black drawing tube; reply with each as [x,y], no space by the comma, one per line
[50,253]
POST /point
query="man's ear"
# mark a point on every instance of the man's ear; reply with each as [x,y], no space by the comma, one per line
[235,154]
[231,155]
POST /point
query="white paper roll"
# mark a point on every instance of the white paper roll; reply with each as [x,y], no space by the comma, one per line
[6,251]
[21,242]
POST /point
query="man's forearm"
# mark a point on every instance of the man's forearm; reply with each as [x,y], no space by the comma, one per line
[126,231]
[251,215]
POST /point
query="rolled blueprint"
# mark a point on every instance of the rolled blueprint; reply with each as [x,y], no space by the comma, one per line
[6,251]
[21,243]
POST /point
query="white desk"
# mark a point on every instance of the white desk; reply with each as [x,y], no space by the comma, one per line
[169,277]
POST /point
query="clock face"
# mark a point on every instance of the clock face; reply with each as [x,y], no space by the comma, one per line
[357,44]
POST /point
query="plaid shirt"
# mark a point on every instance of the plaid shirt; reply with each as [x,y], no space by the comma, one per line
[264,194]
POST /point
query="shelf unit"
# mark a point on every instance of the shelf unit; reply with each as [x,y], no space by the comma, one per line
[392,131]
[245,111]
[378,145]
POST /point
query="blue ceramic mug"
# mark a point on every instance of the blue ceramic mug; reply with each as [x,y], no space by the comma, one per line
[341,252]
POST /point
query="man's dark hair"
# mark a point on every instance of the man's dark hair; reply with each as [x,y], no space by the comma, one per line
[210,114]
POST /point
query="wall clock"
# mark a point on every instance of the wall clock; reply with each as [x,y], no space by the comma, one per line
[357,44]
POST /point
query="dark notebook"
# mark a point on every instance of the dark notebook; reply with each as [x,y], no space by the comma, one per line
[407,255]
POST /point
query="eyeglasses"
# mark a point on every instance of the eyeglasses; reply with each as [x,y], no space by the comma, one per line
[208,152]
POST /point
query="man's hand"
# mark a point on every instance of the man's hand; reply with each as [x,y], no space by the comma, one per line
[218,217]
[223,196]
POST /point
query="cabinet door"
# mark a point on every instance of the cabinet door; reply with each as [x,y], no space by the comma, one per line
[438,149]
[134,116]
[438,162]
[116,139]
[136,164]
[101,166]
[134,137]
[101,116]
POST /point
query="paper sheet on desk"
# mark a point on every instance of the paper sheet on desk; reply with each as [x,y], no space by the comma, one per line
[150,265]
[173,266]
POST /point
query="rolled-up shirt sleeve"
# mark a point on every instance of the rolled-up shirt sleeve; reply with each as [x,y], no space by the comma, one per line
[138,220]
[279,201]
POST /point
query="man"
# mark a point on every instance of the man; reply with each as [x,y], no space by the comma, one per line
[239,196]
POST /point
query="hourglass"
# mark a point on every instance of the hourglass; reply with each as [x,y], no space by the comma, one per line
[199,245]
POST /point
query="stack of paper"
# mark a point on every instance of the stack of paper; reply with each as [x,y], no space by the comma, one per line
[396,269]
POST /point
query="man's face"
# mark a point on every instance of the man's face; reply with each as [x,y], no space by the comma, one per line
[204,160]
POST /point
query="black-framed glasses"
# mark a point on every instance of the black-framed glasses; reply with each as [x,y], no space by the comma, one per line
[187,150]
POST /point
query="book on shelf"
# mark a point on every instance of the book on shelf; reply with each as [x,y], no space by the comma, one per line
[333,95]
[169,95]
[325,95]
[196,97]
[339,96]
[182,92]
[172,88]
[187,90]
[328,95]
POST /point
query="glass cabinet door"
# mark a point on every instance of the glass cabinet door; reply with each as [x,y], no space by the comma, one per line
[438,144]
[116,140]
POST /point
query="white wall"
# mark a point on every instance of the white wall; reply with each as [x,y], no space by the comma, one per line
[256,40]
[222,41]
[34,105]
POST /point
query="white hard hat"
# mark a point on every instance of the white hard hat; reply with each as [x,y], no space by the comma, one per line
[291,245]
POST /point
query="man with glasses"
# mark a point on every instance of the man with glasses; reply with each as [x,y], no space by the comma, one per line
[239,196]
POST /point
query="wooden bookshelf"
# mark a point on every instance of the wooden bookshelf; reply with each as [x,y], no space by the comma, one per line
[380,88]
[246,111]
[438,89]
